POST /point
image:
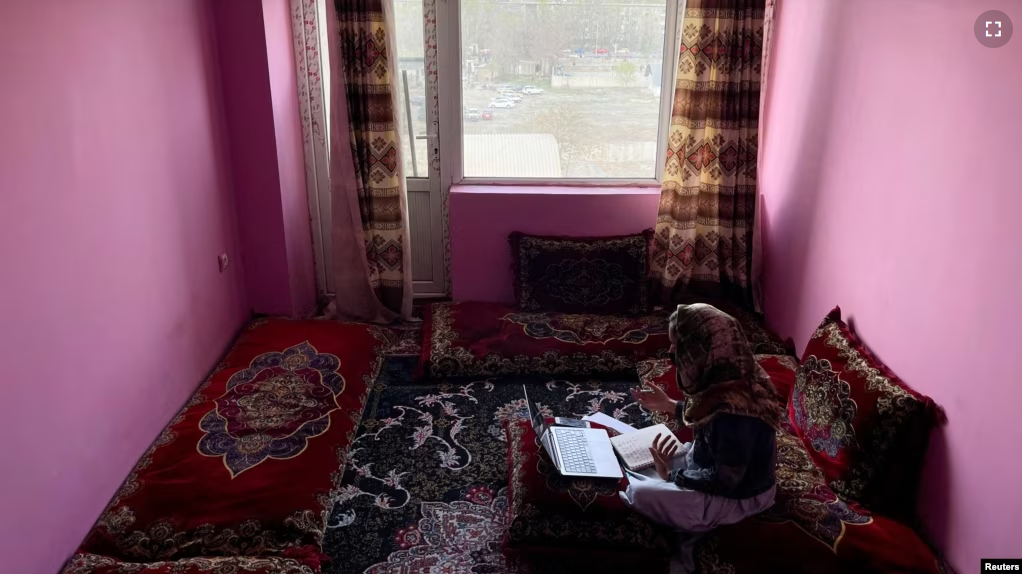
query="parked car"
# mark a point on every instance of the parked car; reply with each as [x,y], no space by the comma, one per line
[472,114]
[510,96]
[532,90]
[502,103]
[487,115]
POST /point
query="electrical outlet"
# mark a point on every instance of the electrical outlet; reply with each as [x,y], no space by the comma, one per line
[222,258]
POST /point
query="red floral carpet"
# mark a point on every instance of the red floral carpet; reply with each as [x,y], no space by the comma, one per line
[424,490]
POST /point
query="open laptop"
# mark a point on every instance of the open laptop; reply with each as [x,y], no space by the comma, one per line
[575,451]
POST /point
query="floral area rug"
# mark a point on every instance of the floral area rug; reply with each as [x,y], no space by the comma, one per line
[425,481]
[403,339]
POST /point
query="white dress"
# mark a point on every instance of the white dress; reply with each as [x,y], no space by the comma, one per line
[690,512]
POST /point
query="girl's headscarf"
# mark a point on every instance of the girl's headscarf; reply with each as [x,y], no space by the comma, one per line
[716,369]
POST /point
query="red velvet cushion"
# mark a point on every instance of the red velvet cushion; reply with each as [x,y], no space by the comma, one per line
[552,514]
[582,274]
[864,428]
[93,564]
[248,466]
[660,372]
[781,369]
[490,339]
[810,530]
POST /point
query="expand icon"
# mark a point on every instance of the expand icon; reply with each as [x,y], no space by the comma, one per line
[993,28]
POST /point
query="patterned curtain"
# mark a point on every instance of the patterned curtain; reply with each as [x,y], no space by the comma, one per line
[704,231]
[364,74]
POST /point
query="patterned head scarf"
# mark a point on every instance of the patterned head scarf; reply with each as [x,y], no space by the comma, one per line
[716,370]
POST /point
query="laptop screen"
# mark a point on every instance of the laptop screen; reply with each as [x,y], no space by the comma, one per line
[538,422]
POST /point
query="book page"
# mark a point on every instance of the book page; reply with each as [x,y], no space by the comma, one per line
[633,448]
[609,422]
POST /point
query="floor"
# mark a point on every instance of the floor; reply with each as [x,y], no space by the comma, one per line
[424,488]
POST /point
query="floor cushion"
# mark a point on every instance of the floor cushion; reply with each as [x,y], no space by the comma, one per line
[489,339]
[661,373]
[247,468]
[762,340]
[94,564]
[781,369]
[863,427]
[606,275]
[811,530]
[550,515]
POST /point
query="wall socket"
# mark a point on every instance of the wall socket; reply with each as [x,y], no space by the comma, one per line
[222,258]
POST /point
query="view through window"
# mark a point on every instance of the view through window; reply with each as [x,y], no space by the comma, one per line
[411,84]
[561,89]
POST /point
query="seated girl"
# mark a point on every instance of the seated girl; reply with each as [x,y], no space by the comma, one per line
[727,472]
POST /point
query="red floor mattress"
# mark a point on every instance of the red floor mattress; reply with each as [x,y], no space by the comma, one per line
[247,467]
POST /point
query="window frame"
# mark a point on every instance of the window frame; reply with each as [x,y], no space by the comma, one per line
[451,137]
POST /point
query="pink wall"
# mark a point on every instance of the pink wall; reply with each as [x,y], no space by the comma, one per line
[890,190]
[287,123]
[114,204]
[241,42]
[482,218]
[261,100]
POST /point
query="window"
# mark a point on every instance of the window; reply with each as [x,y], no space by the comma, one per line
[565,91]
[411,85]
[553,90]
[562,89]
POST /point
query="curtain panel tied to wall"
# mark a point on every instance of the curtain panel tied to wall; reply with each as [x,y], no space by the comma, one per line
[707,224]
[370,235]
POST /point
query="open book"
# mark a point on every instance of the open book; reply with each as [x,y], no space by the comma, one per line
[633,447]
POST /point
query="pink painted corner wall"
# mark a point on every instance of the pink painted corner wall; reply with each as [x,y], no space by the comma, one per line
[241,43]
[260,94]
[115,201]
[890,190]
[287,122]
[482,217]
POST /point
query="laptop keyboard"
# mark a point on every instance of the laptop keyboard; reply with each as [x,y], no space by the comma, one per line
[574,451]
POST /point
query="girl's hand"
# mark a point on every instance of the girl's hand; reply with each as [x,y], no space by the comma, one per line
[653,398]
[662,455]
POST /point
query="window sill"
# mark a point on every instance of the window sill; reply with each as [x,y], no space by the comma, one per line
[553,189]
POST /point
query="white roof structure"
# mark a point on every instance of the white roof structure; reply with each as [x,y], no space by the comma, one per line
[512,155]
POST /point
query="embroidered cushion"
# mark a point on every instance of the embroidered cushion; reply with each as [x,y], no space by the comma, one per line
[582,274]
[811,530]
[490,339]
[762,340]
[248,467]
[550,514]
[93,564]
[864,428]
[781,369]
[661,372]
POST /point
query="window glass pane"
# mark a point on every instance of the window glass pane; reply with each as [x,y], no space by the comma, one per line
[561,88]
[411,84]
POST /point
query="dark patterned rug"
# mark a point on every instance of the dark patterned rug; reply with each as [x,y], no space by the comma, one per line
[424,487]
